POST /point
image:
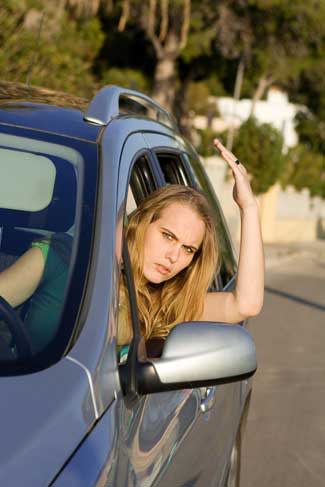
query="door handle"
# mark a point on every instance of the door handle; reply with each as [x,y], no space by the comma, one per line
[208,395]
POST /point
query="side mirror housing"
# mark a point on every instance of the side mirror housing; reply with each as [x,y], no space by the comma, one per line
[198,354]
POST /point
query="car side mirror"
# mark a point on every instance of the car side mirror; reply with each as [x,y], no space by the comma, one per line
[198,354]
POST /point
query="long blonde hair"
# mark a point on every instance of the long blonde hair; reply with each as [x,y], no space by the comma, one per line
[180,298]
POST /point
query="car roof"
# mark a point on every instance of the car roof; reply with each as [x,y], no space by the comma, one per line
[45,110]
[54,112]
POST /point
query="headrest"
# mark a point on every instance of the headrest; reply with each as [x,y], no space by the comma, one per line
[60,200]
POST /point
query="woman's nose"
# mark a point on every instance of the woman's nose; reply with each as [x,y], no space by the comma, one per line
[172,254]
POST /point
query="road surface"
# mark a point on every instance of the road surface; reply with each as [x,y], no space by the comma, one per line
[284,443]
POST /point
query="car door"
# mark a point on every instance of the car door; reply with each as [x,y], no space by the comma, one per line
[163,436]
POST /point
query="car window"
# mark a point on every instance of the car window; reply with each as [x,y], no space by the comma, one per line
[173,168]
[47,201]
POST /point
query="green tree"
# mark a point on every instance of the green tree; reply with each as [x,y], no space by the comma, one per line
[166,25]
[311,131]
[43,46]
[309,88]
[127,77]
[259,146]
[305,169]
[306,161]
[285,37]
[204,146]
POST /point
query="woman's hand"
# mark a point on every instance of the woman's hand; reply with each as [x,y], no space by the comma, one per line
[242,192]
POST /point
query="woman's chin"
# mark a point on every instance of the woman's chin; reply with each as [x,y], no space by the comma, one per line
[154,277]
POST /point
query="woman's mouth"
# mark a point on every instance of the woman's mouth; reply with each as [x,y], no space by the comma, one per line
[162,269]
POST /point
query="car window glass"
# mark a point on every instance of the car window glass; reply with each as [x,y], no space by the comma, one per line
[26,180]
[43,219]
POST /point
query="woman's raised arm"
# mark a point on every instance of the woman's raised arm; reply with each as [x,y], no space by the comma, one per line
[247,298]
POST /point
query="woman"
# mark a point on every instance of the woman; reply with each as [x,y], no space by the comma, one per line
[173,251]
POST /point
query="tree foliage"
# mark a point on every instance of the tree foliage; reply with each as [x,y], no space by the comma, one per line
[311,130]
[179,51]
[305,169]
[41,47]
[204,146]
[259,146]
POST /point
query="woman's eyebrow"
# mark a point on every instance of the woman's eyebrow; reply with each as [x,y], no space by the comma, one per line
[173,235]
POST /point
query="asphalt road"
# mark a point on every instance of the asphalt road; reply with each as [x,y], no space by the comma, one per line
[284,443]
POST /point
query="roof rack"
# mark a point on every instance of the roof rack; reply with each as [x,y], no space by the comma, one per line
[111,101]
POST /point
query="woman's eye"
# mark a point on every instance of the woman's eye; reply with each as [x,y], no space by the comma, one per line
[167,235]
[188,250]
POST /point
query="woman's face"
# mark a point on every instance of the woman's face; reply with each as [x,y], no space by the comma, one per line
[171,242]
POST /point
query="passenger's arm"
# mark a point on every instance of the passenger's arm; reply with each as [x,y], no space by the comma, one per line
[19,281]
[247,298]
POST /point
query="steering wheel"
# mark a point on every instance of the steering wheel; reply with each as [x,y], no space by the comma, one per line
[17,329]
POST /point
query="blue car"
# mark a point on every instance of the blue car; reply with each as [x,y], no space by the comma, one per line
[73,413]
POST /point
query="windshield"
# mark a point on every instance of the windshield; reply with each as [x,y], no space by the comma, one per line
[45,205]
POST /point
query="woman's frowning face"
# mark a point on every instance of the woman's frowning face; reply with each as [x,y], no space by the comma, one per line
[171,242]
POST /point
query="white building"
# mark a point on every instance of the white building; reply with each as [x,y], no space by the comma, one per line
[275,110]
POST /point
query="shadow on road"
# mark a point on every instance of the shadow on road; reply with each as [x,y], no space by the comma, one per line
[293,297]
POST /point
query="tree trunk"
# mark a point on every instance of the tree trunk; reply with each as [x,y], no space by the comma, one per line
[164,87]
[264,82]
[181,111]
[164,83]
[237,92]
[167,44]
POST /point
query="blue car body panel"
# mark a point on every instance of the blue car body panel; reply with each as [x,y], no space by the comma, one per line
[44,417]
[95,462]
[62,121]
